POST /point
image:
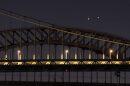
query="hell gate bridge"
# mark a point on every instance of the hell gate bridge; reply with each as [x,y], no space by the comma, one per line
[47,54]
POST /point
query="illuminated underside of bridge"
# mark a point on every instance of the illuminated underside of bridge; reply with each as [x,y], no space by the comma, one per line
[47,47]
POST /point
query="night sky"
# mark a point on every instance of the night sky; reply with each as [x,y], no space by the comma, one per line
[111,16]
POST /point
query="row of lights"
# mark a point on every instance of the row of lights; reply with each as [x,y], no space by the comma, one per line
[110,52]
[66,55]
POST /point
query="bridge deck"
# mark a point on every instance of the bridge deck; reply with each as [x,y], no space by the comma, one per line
[65,62]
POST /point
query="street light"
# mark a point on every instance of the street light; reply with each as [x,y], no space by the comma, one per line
[19,54]
[75,57]
[89,56]
[66,53]
[117,56]
[34,56]
[103,56]
[6,57]
[61,55]
[48,56]
[110,51]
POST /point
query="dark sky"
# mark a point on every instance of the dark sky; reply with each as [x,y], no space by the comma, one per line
[114,14]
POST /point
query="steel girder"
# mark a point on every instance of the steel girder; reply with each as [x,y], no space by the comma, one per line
[27,36]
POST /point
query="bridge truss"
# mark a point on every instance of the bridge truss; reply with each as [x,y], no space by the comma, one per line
[47,47]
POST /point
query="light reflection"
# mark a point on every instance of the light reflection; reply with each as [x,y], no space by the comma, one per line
[19,63]
[48,62]
[64,62]
[5,63]
[75,62]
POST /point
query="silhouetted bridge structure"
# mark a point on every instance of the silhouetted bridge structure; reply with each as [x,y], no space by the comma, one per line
[47,54]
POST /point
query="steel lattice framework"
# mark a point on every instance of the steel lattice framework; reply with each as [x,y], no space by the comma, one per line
[48,47]
[18,38]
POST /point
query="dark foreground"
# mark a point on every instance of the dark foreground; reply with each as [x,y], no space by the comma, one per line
[22,83]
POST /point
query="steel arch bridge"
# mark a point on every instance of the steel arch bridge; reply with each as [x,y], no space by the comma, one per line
[47,47]
[61,48]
